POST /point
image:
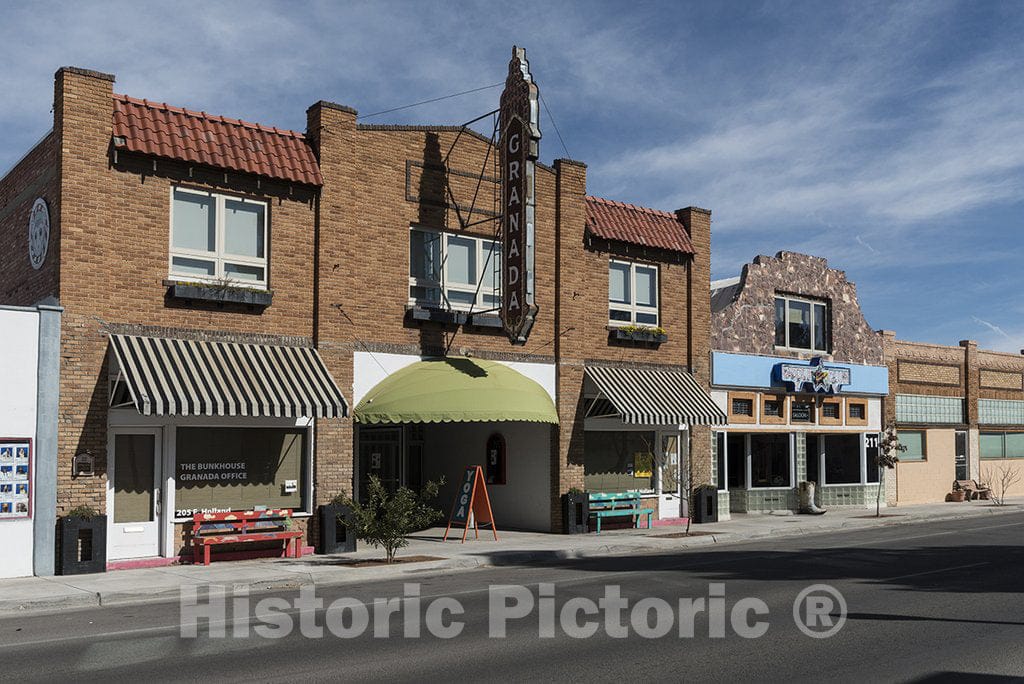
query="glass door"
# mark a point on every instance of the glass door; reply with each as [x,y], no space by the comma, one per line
[669,476]
[133,494]
[380,455]
[961,455]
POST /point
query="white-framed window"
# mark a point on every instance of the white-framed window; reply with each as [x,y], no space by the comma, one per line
[218,237]
[454,271]
[801,324]
[632,293]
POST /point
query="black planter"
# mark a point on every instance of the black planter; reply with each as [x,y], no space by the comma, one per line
[645,336]
[81,545]
[224,295]
[337,529]
[576,512]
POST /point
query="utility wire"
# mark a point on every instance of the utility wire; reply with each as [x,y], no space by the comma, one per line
[435,99]
[555,126]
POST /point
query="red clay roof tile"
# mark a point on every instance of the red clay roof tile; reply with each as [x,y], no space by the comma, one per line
[623,222]
[175,133]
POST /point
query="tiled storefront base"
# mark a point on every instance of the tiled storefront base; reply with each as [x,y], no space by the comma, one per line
[767,500]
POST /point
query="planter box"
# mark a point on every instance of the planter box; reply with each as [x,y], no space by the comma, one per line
[81,545]
[337,525]
[224,295]
[638,336]
[576,512]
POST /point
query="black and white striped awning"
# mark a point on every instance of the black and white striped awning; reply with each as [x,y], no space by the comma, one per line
[169,376]
[644,396]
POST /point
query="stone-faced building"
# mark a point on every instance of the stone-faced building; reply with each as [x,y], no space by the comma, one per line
[959,412]
[261,317]
[801,376]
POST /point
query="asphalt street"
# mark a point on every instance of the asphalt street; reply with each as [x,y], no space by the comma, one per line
[925,602]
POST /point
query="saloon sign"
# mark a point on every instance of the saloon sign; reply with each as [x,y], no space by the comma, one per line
[520,134]
[821,378]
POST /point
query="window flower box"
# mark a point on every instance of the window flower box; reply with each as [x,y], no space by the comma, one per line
[639,334]
[225,294]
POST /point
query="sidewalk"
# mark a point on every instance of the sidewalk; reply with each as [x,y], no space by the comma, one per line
[38,594]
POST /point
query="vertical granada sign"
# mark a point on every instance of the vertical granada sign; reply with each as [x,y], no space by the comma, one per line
[520,134]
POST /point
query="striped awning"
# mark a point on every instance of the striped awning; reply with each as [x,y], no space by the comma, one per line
[644,396]
[168,376]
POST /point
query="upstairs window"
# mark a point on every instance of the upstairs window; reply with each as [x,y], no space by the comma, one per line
[632,293]
[454,271]
[801,324]
[218,238]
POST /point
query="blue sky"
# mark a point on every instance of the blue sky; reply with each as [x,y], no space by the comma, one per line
[888,138]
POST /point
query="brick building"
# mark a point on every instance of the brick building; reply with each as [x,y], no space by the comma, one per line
[222,280]
[801,376]
[958,410]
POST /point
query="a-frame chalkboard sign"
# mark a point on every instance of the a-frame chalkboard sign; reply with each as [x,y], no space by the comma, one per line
[472,499]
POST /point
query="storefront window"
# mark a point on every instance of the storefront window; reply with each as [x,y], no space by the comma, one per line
[770,460]
[234,469]
[1002,445]
[736,461]
[619,461]
[842,459]
[915,446]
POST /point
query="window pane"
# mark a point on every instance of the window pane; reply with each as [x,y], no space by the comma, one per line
[241,272]
[133,478]
[914,441]
[189,267]
[799,325]
[460,264]
[194,222]
[1015,445]
[424,255]
[647,318]
[618,461]
[425,295]
[456,297]
[780,321]
[991,444]
[646,286]
[769,460]
[494,266]
[842,459]
[618,315]
[243,228]
[819,327]
[618,284]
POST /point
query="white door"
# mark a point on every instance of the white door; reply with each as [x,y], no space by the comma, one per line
[668,475]
[133,493]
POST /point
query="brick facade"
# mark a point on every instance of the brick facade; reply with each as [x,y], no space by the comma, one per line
[338,269]
[966,374]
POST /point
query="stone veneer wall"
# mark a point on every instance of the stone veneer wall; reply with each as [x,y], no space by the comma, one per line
[747,325]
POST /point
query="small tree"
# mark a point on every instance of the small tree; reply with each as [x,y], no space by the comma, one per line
[386,519]
[1001,479]
[889,448]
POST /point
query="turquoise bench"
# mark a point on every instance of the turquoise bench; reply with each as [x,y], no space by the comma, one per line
[618,504]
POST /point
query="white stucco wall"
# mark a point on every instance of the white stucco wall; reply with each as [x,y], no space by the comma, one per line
[524,503]
[19,357]
[371,368]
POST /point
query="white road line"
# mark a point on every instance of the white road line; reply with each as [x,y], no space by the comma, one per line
[933,572]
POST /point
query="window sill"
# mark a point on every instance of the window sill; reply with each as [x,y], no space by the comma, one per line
[216,293]
[644,336]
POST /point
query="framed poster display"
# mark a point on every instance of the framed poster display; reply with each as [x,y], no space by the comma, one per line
[15,478]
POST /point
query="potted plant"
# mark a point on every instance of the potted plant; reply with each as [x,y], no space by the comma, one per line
[337,527]
[81,541]
[640,333]
[958,494]
[576,511]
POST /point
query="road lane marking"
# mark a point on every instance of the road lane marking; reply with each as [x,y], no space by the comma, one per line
[933,572]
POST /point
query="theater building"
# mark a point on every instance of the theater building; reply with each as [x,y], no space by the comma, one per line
[262,317]
[801,376]
[959,412]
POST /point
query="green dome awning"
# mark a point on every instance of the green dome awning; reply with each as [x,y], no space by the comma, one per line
[456,390]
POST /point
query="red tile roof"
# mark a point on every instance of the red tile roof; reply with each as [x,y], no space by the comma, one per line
[159,129]
[637,225]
